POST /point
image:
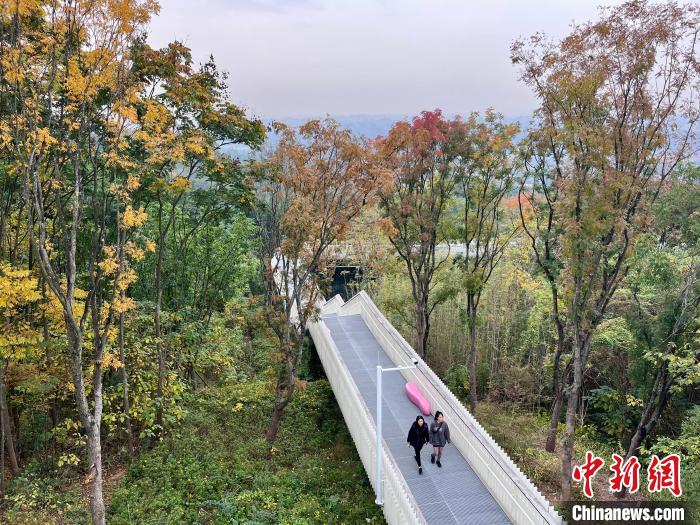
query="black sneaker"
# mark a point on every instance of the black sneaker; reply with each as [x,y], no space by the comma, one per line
[420,470]
[432,458]
[439,464]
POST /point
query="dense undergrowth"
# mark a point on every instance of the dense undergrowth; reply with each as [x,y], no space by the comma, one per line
[217,468]
[522,435]
[220,469]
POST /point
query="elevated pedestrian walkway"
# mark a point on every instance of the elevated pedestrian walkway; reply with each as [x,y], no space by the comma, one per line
[478,483]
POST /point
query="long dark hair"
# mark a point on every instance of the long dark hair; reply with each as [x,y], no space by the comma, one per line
[419,417]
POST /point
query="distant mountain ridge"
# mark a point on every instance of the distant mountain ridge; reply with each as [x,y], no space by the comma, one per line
[369,126]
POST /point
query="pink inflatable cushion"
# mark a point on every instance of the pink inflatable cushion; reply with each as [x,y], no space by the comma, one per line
[414,394]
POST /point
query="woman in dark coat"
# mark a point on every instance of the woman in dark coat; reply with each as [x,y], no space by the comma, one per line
[417,437]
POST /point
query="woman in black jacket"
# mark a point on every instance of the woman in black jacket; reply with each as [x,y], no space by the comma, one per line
[417,437]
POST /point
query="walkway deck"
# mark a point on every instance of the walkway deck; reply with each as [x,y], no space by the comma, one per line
[449,495]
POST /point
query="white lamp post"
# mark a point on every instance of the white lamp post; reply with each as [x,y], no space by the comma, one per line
[378,448]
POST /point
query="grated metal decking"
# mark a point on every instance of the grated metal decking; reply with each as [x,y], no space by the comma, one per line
[449,495]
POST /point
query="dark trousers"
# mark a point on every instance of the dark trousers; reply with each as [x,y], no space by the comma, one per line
[417,450]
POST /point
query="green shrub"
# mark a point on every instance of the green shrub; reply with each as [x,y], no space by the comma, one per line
[218,468]
[37,496]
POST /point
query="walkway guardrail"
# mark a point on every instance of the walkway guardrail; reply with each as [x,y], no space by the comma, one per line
[515,493]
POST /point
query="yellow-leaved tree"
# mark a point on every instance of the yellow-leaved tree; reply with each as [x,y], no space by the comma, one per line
[18,289]
[67,69]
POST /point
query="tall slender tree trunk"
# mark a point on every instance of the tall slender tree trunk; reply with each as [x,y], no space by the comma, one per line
[471,324]
[53,409]
[293,349]
[7,428]
[653,408]
[160,348]
[97,505]
[558,382]
[91,420]
[284,390]
[472,368]
[579,363]
[567,453]
[551,443]
[125,386]
[422,326]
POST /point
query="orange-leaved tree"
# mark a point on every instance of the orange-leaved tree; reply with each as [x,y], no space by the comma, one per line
[317,180]
[617,114]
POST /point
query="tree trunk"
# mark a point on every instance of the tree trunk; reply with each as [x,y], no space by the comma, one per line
[653,408]
[558,382]
[551,443]
[571,409]
[567,454]
[471,325]
[53,409]
[91,421]
[277,412]
[7,429]
[286,382]
[472,364]
[14,421]
[422,327]
[560,385]
[160,349]
[97,505]
[125,386]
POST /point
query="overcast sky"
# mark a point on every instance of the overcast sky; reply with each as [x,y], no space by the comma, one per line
[370,57]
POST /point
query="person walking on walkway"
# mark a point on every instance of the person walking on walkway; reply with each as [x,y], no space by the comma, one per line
[439,437]
[417,437]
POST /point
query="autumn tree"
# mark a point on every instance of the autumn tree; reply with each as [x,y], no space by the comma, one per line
[417,155]
[18,289]
[69,101]
[316,182]
[617,114]
[484,161]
